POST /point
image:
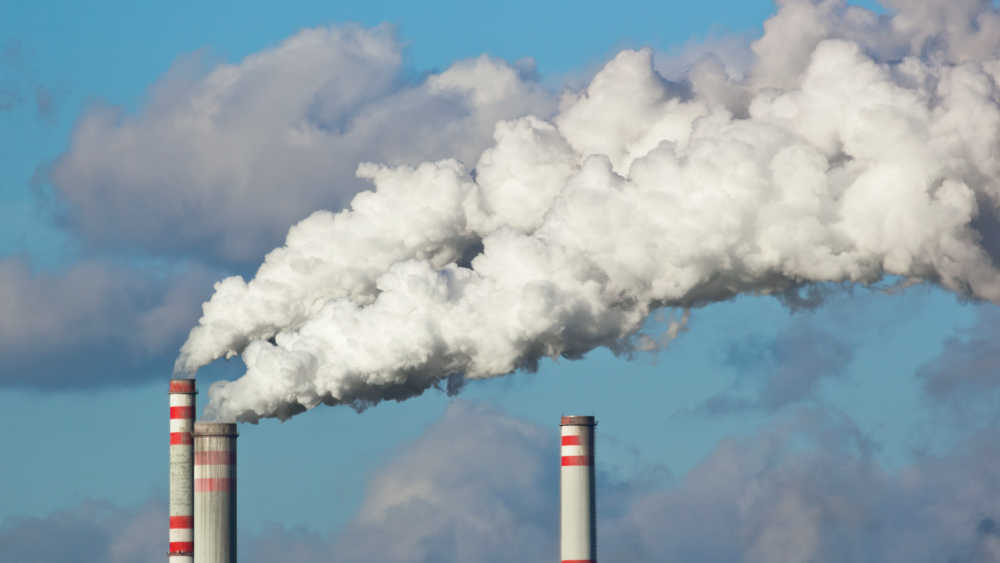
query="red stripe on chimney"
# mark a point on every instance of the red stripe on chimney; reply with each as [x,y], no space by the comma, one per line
[213,484]
[177,438]
[182,521]
[181,547]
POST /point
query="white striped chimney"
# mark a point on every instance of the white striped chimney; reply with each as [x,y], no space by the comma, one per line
[181,535]
[578,523]
[215,492]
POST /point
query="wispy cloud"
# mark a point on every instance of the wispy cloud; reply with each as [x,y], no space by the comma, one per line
[964,379]
[19,82]
[788,369]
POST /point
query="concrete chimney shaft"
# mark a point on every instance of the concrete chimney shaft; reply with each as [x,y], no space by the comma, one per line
[181,534]
[215,492]
[578,523]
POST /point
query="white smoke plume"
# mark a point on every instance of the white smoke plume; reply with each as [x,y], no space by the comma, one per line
[857,147]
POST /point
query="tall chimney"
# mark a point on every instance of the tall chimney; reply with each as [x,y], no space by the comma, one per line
[215,492]
[578,523]
[181,535]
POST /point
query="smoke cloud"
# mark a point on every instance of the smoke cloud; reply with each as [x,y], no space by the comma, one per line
[857,147]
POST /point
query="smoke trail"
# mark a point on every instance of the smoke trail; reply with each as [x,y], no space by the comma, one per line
[858,146]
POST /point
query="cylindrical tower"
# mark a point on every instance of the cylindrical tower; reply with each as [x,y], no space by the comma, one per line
[215,492]
[578,522]
[181,535]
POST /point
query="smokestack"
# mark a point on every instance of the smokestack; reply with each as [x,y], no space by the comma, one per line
[215,492]
[578,523]
[181,535]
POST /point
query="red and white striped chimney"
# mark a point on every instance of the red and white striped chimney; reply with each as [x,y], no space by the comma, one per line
[181,535]
[215,492]
[578,522]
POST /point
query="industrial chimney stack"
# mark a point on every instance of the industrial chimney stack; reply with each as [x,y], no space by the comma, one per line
[181,535]
[203,485]
[578,523]
[215,492]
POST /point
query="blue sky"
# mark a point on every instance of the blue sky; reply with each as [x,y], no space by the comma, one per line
[85,406]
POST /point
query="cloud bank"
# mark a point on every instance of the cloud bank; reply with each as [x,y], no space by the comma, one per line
[219,163]
[94,530]
[93,323]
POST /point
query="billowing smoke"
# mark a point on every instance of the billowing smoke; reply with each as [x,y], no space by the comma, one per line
[856,147]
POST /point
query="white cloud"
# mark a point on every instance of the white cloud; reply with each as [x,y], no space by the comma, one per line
[221,163]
